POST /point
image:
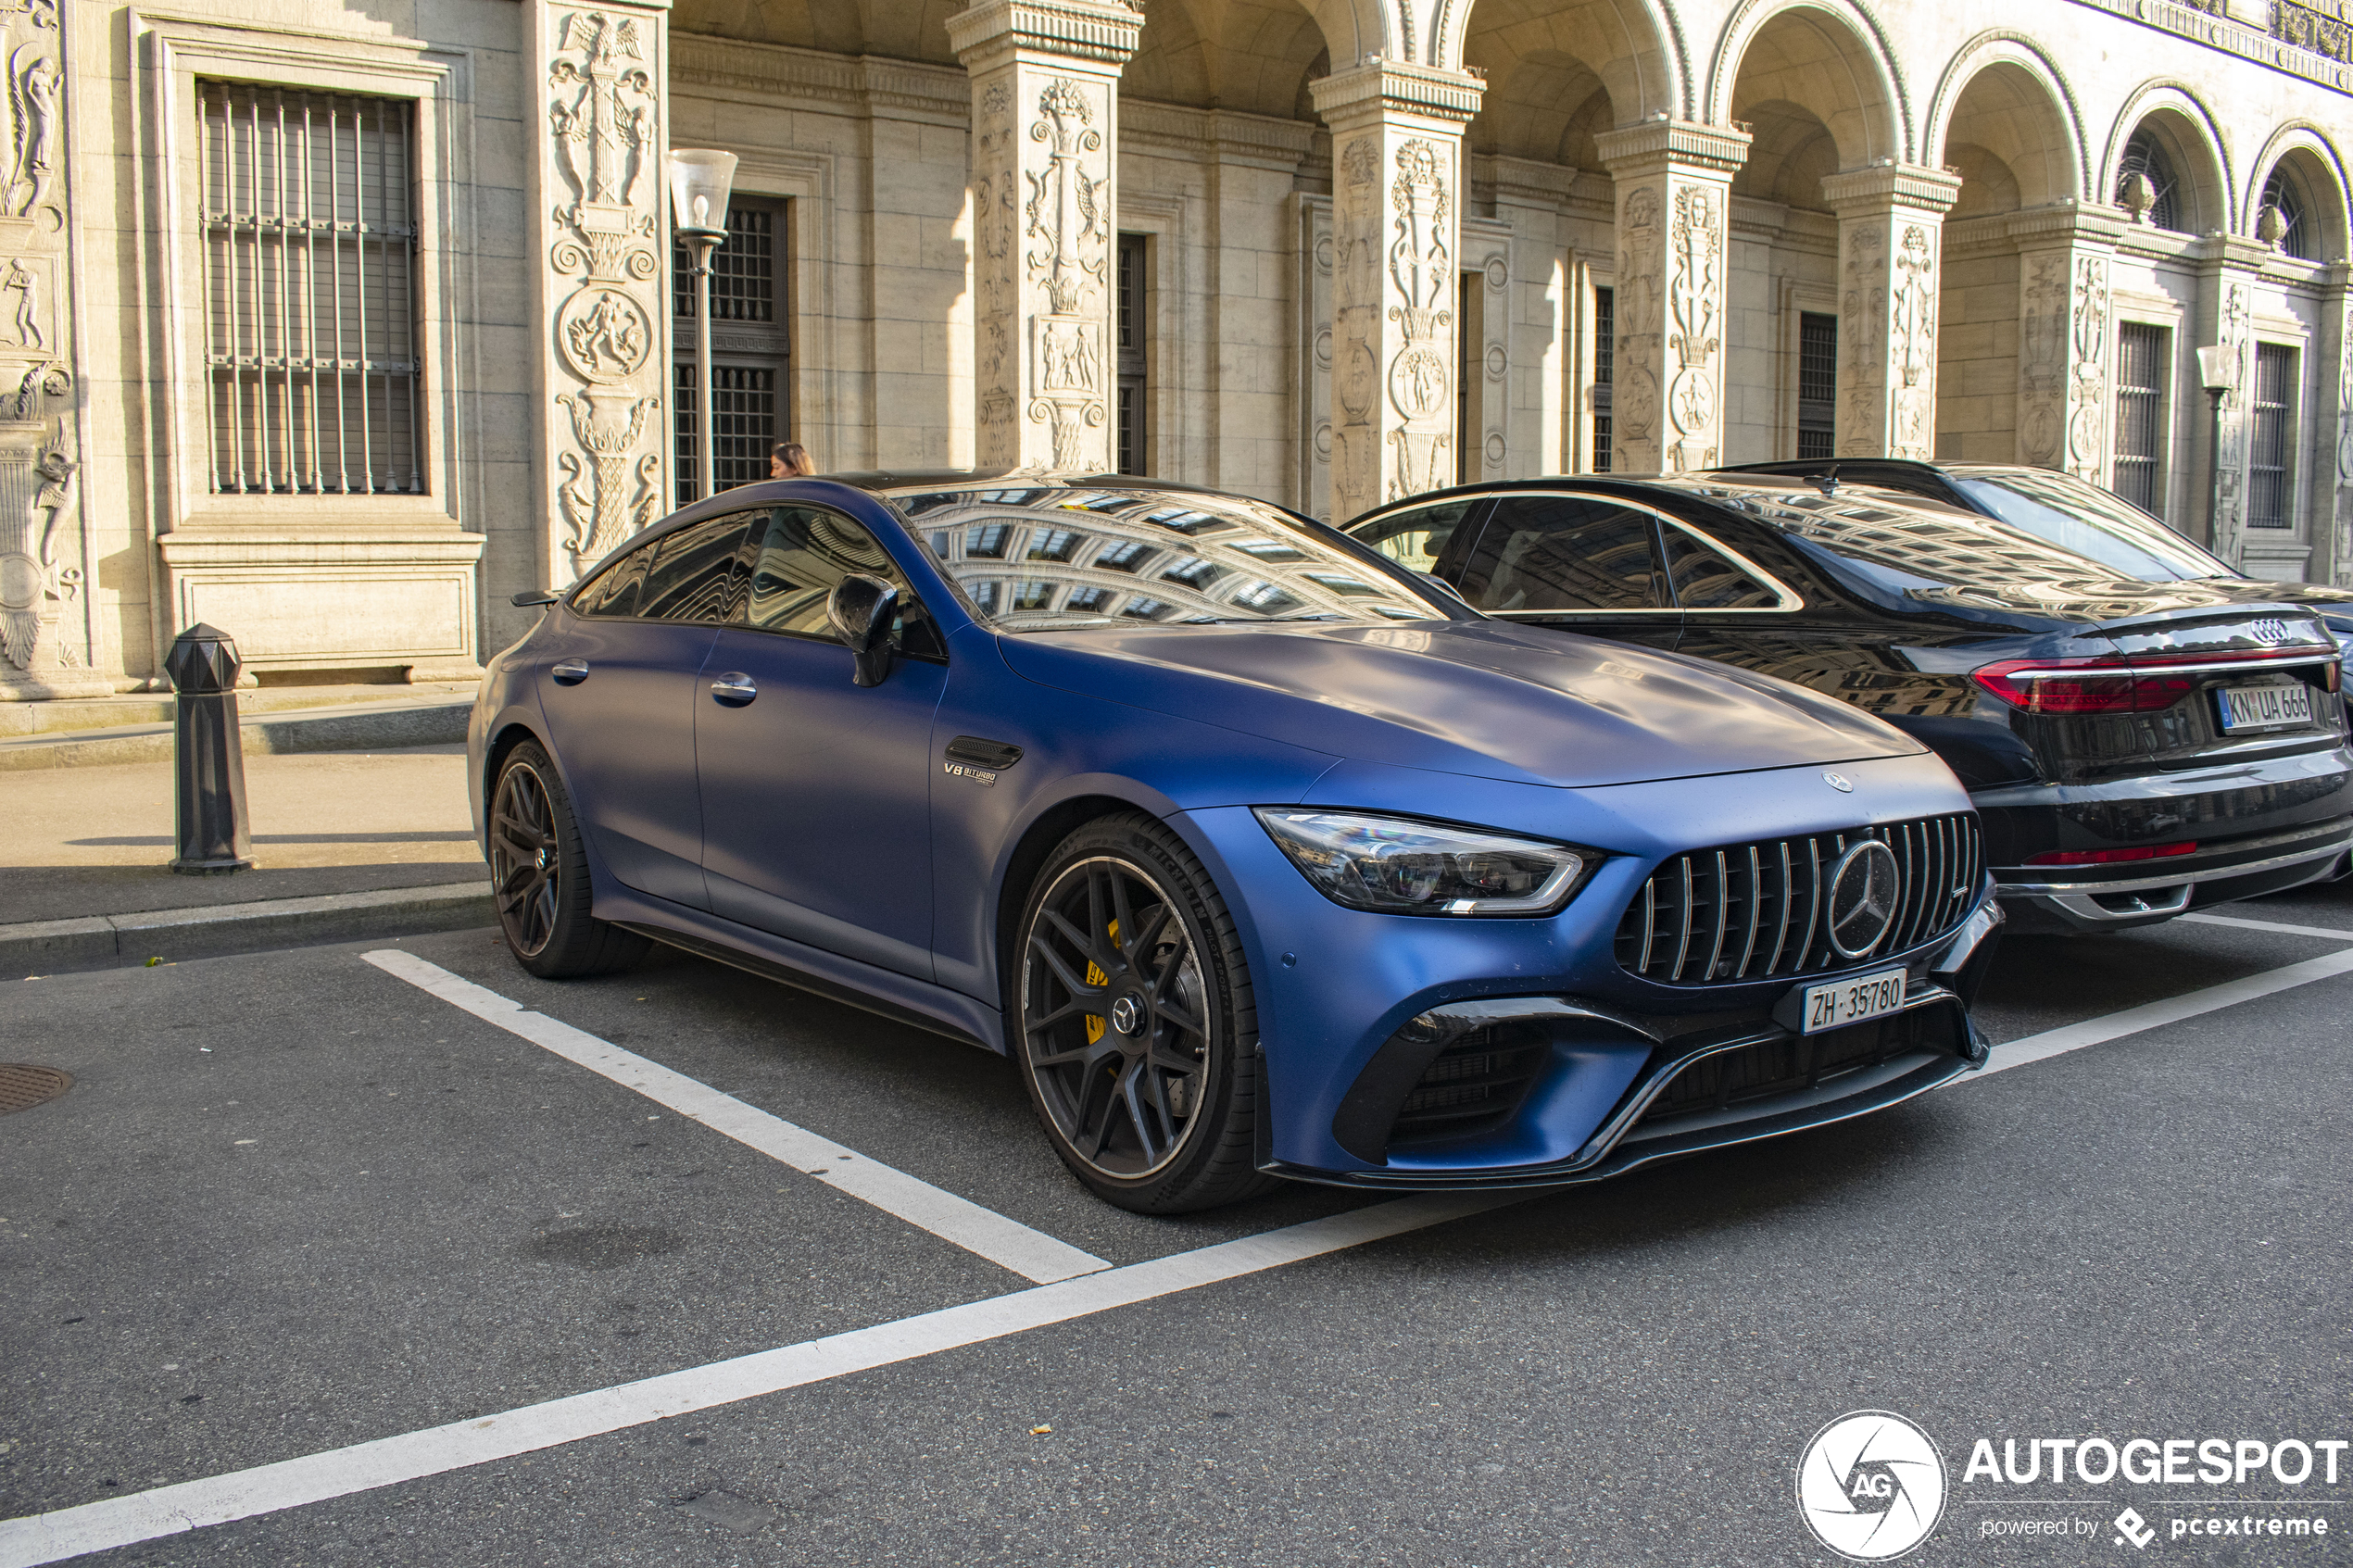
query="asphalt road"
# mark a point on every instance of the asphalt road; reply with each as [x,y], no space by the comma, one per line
[295,1203]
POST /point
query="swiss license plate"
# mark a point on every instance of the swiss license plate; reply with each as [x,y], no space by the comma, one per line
[2265,708]
[1852,1000]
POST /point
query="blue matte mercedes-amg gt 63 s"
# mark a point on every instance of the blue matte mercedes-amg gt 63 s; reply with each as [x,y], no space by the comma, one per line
[1259,855]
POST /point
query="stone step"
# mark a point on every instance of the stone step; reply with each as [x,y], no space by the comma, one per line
[18,720]
[56,946]
[432,718]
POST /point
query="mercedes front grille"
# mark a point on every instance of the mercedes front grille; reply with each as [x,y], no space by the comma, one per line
[1753,911]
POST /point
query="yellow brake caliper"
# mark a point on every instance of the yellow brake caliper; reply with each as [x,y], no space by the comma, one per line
[1095,977]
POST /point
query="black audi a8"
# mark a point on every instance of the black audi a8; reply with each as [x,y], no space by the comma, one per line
[2136,749]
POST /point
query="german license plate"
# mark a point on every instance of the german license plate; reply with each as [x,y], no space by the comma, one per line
[2265,708]
[1842,1002]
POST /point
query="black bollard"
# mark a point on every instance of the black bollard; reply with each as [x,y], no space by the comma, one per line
[208,756]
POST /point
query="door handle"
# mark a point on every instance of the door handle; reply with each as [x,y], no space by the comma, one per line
[735,689]
[568,671]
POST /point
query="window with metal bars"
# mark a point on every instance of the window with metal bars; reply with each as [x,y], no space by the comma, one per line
[1604,371]
[309,288]
[751,350]
[2142,357]
[1134,342]
[2271,465]
[1817,385]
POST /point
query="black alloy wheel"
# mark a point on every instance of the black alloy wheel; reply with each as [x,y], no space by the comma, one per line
[1138,1033]
[540,877]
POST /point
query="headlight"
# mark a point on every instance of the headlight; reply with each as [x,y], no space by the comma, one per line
[1397,866]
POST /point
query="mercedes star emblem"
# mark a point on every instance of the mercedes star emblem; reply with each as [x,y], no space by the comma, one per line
[1865,888]
[1840,783]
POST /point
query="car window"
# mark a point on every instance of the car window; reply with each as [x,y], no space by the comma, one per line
[2085,519]
[688,580]
[1563,553]
[1417,536]
[1050,556]
[613,592]
[794,559]
[1704,580]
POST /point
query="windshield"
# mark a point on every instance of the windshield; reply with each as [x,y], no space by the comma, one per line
[2083,518]
[1035,558]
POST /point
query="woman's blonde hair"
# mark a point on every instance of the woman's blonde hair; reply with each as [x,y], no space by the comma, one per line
[794,455]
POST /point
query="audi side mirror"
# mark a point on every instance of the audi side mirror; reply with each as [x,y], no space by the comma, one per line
[861,609]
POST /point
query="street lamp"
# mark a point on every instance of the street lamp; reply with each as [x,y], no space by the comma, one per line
[699,181]
[2214,367]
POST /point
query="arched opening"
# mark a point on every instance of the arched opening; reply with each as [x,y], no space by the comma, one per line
[1246,56]
[1817,100]
[2009,136]
[2166,175]
[2300,209]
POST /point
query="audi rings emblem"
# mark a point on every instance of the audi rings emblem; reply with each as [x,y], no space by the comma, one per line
[1840,783]
[2269,631]
[1864,887]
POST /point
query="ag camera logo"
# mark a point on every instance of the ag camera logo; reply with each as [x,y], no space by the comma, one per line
[1870,1485]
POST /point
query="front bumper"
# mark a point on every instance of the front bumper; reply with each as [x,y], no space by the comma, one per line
[1605,1093]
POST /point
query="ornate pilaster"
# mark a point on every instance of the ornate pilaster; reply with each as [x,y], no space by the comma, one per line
[2335,494]
[1397,143]
[46,634]
[2065,380]
[602,77]
[2226,297]
[1044,84]
[1674,182]
[1891,221]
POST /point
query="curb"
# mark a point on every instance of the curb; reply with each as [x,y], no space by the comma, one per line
[101,941]
[264,734]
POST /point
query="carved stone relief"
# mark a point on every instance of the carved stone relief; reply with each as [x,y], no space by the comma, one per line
[605,146]
[1912,324]
[2087,426]
[1862,319]
[2041,359]
[1695,295]
[1642,256]
[2230,511]
[1421,270]
[2342,560]
[1068,215]
[47,647]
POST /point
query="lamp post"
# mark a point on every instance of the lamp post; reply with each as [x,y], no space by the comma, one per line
[2214,370]
[699,181]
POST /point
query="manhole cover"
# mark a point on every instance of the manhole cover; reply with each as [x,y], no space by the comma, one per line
[22,1087]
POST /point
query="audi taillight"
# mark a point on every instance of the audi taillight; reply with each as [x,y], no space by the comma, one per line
[2074,687]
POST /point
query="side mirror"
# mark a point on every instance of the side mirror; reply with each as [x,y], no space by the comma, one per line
[862,609]
[531,598]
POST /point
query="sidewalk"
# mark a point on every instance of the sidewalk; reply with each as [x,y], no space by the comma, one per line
[345,844]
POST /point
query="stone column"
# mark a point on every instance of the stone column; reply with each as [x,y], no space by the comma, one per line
[2226,315]
[600,190]
[1397,145]
[1674,184]
[1891,220]
[2066,378]
[1045,84]
[47,646]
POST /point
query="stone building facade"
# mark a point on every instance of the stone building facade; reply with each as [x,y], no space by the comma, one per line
[334,323]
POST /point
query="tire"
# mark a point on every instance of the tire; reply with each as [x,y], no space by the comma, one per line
[1152,1096]
[540,877]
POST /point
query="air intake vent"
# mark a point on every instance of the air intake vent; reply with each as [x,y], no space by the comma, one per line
[1473,1087]
[1753,911]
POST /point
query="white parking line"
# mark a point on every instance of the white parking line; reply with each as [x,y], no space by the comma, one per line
[2331,932]
[1032,1254]
[192,1505]
[2151,1015]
